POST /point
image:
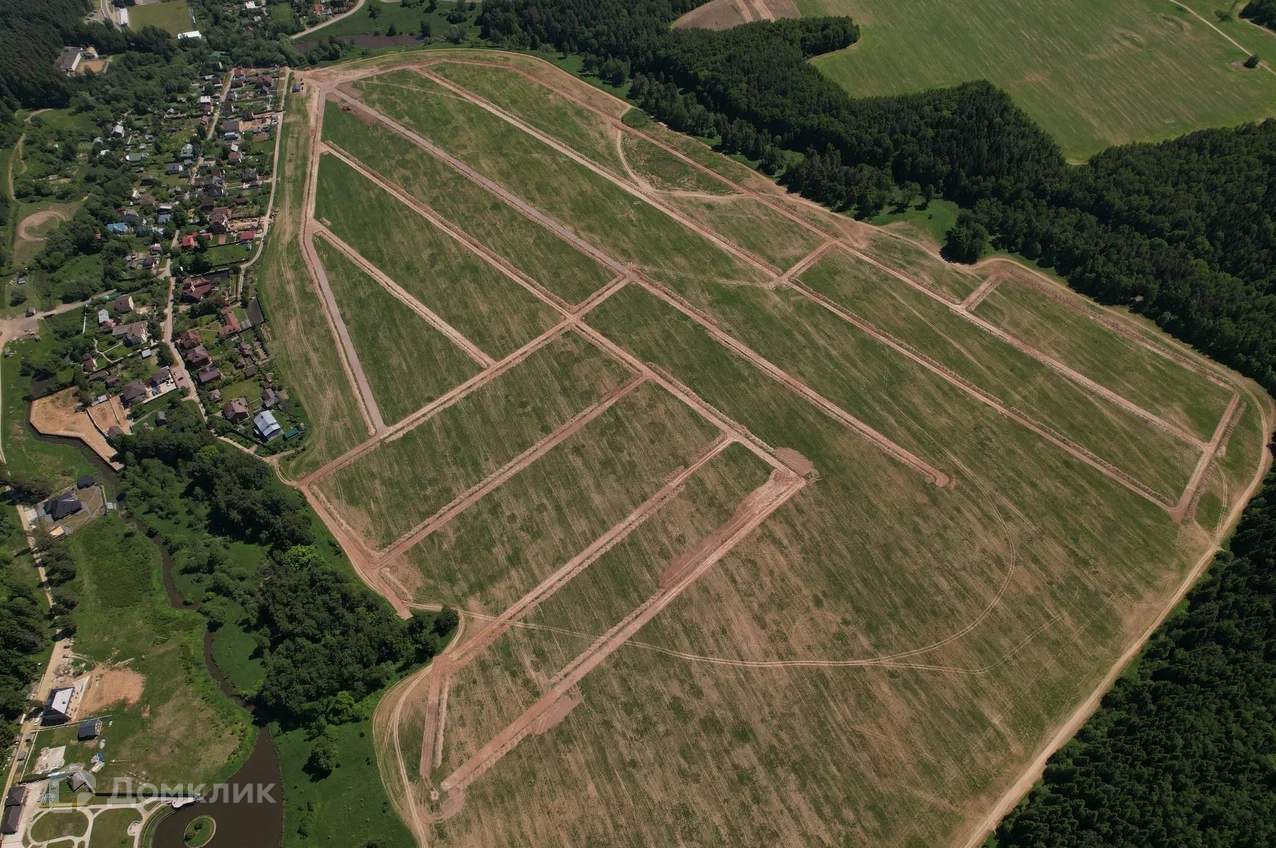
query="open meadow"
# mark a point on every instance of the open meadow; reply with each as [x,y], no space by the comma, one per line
[1093,74]
[766,527]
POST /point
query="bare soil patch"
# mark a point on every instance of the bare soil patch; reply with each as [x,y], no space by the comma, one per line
[57,415]
[112,685]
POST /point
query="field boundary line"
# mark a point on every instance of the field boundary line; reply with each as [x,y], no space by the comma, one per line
[1076,302]
[1186,505]
[974,835]
[576,315]
[972,301]
[802,265]
[493,187]
[1233,41]
[613,536]
[752,511]
[776,206]
[424,312]
[725,244]
[475,493]
[368,409]
[443,401]
[489,257]
[1072,448]
[797,387]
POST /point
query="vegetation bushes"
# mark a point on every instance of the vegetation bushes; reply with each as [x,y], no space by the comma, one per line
[23,629]
[326,641]
[1261,12]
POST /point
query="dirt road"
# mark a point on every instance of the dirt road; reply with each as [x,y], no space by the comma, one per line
[774,204]
[752,512]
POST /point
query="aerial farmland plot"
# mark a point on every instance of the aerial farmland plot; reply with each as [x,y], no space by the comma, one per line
[766,527]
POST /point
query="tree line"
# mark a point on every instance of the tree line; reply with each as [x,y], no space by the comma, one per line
[1183,232]
[320,633]
[1261,12]
[1181,750]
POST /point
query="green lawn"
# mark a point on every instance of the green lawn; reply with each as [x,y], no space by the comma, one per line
[110,829]
[59,823]
[24,453]
[171,15]
[349,806]
[1093,73]
[406,20]
[408,362]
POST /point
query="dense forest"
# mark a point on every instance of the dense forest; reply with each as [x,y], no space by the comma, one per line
[31,34]
[1181,751]
[320,633]
[1261,12]
[23,628]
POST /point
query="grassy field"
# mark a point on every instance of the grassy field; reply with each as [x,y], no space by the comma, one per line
[875,661]
[110,829]
[1092,73]
[384,492]
[173,16]
[306,351]
[181,728]
[490,309]
[547,260]
[595,208]
[511,540]
[409,362]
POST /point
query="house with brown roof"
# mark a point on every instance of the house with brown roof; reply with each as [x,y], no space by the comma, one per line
[235,410]
[198,357]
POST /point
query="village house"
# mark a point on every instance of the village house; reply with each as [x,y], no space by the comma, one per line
[198,357]
[208,374]
[235,410]
[134,393]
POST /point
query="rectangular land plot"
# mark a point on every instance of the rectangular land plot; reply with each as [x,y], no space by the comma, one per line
[1069,331]
[593,207]
[487,219]
[651,164]
[748,223]
[408,362]
[572,124]
[386,492]
[918,264]
[916,406]
[502,546]
[487,307]
[520,663]
[310,361]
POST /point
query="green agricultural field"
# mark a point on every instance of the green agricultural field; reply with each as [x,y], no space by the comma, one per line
[173,16]
[408,361]
[487,307]
[384,492]
[829,554]
[1092,73]
[505,544]
[546,259]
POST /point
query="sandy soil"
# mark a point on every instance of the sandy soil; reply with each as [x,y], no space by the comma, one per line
[110,685]
[56,415]
[724,14]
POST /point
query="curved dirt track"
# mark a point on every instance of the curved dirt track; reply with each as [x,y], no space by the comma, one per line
[35,219]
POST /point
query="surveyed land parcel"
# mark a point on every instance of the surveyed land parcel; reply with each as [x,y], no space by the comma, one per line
[766,527]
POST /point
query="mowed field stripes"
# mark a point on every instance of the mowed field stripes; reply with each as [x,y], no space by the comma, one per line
[557,473]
